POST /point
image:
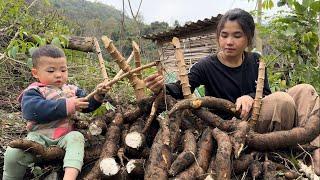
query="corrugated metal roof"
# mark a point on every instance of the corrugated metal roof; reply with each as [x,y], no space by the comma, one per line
[188,28]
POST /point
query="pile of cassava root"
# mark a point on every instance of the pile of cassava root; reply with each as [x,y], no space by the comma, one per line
[163,138]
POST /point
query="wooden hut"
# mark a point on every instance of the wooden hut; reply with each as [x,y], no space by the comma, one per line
[198,40]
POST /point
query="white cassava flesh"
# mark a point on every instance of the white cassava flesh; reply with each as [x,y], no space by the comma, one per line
[109,166]
[134,140]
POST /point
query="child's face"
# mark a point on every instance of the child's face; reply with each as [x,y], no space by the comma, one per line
[51,71]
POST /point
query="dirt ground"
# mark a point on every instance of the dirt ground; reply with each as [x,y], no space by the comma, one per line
[12,127]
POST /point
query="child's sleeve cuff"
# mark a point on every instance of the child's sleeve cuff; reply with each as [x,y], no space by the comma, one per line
[71,107]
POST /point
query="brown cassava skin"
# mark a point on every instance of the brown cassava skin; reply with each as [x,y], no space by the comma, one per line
[215,121]
[223,156]
[242,164]
[51,153]
[174,126]
[212,167]
[191,173]
[238,137]
[92,153]
[174,122]
[156,167]
[144,106]
[269,170]
[255,169]
[110,147]
[209,102]
[160,157]
[282,139]
[187,157]
[153,112]
[131,116]
[204,153]
[40,151]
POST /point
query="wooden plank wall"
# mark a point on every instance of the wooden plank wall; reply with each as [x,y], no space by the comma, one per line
[195,48]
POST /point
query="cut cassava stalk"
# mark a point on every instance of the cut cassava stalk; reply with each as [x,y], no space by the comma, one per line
[138,84]
[259,93]
[137,57]
[127,61]
[183,75]
[188,155]
[127,74]
[238,138]
[209,102]
[289,138]
[102,66]
[101,60]
[223,162]
[106,165]
[131,72]
[204,153]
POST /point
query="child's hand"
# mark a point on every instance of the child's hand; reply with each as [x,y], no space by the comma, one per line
[81,103]
[102,89]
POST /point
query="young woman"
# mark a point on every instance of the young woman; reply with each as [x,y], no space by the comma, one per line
[232,73]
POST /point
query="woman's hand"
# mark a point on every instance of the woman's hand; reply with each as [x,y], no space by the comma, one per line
[154,82]
[245,104]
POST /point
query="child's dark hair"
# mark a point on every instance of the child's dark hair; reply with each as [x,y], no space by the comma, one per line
[48,51]
[244,19]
